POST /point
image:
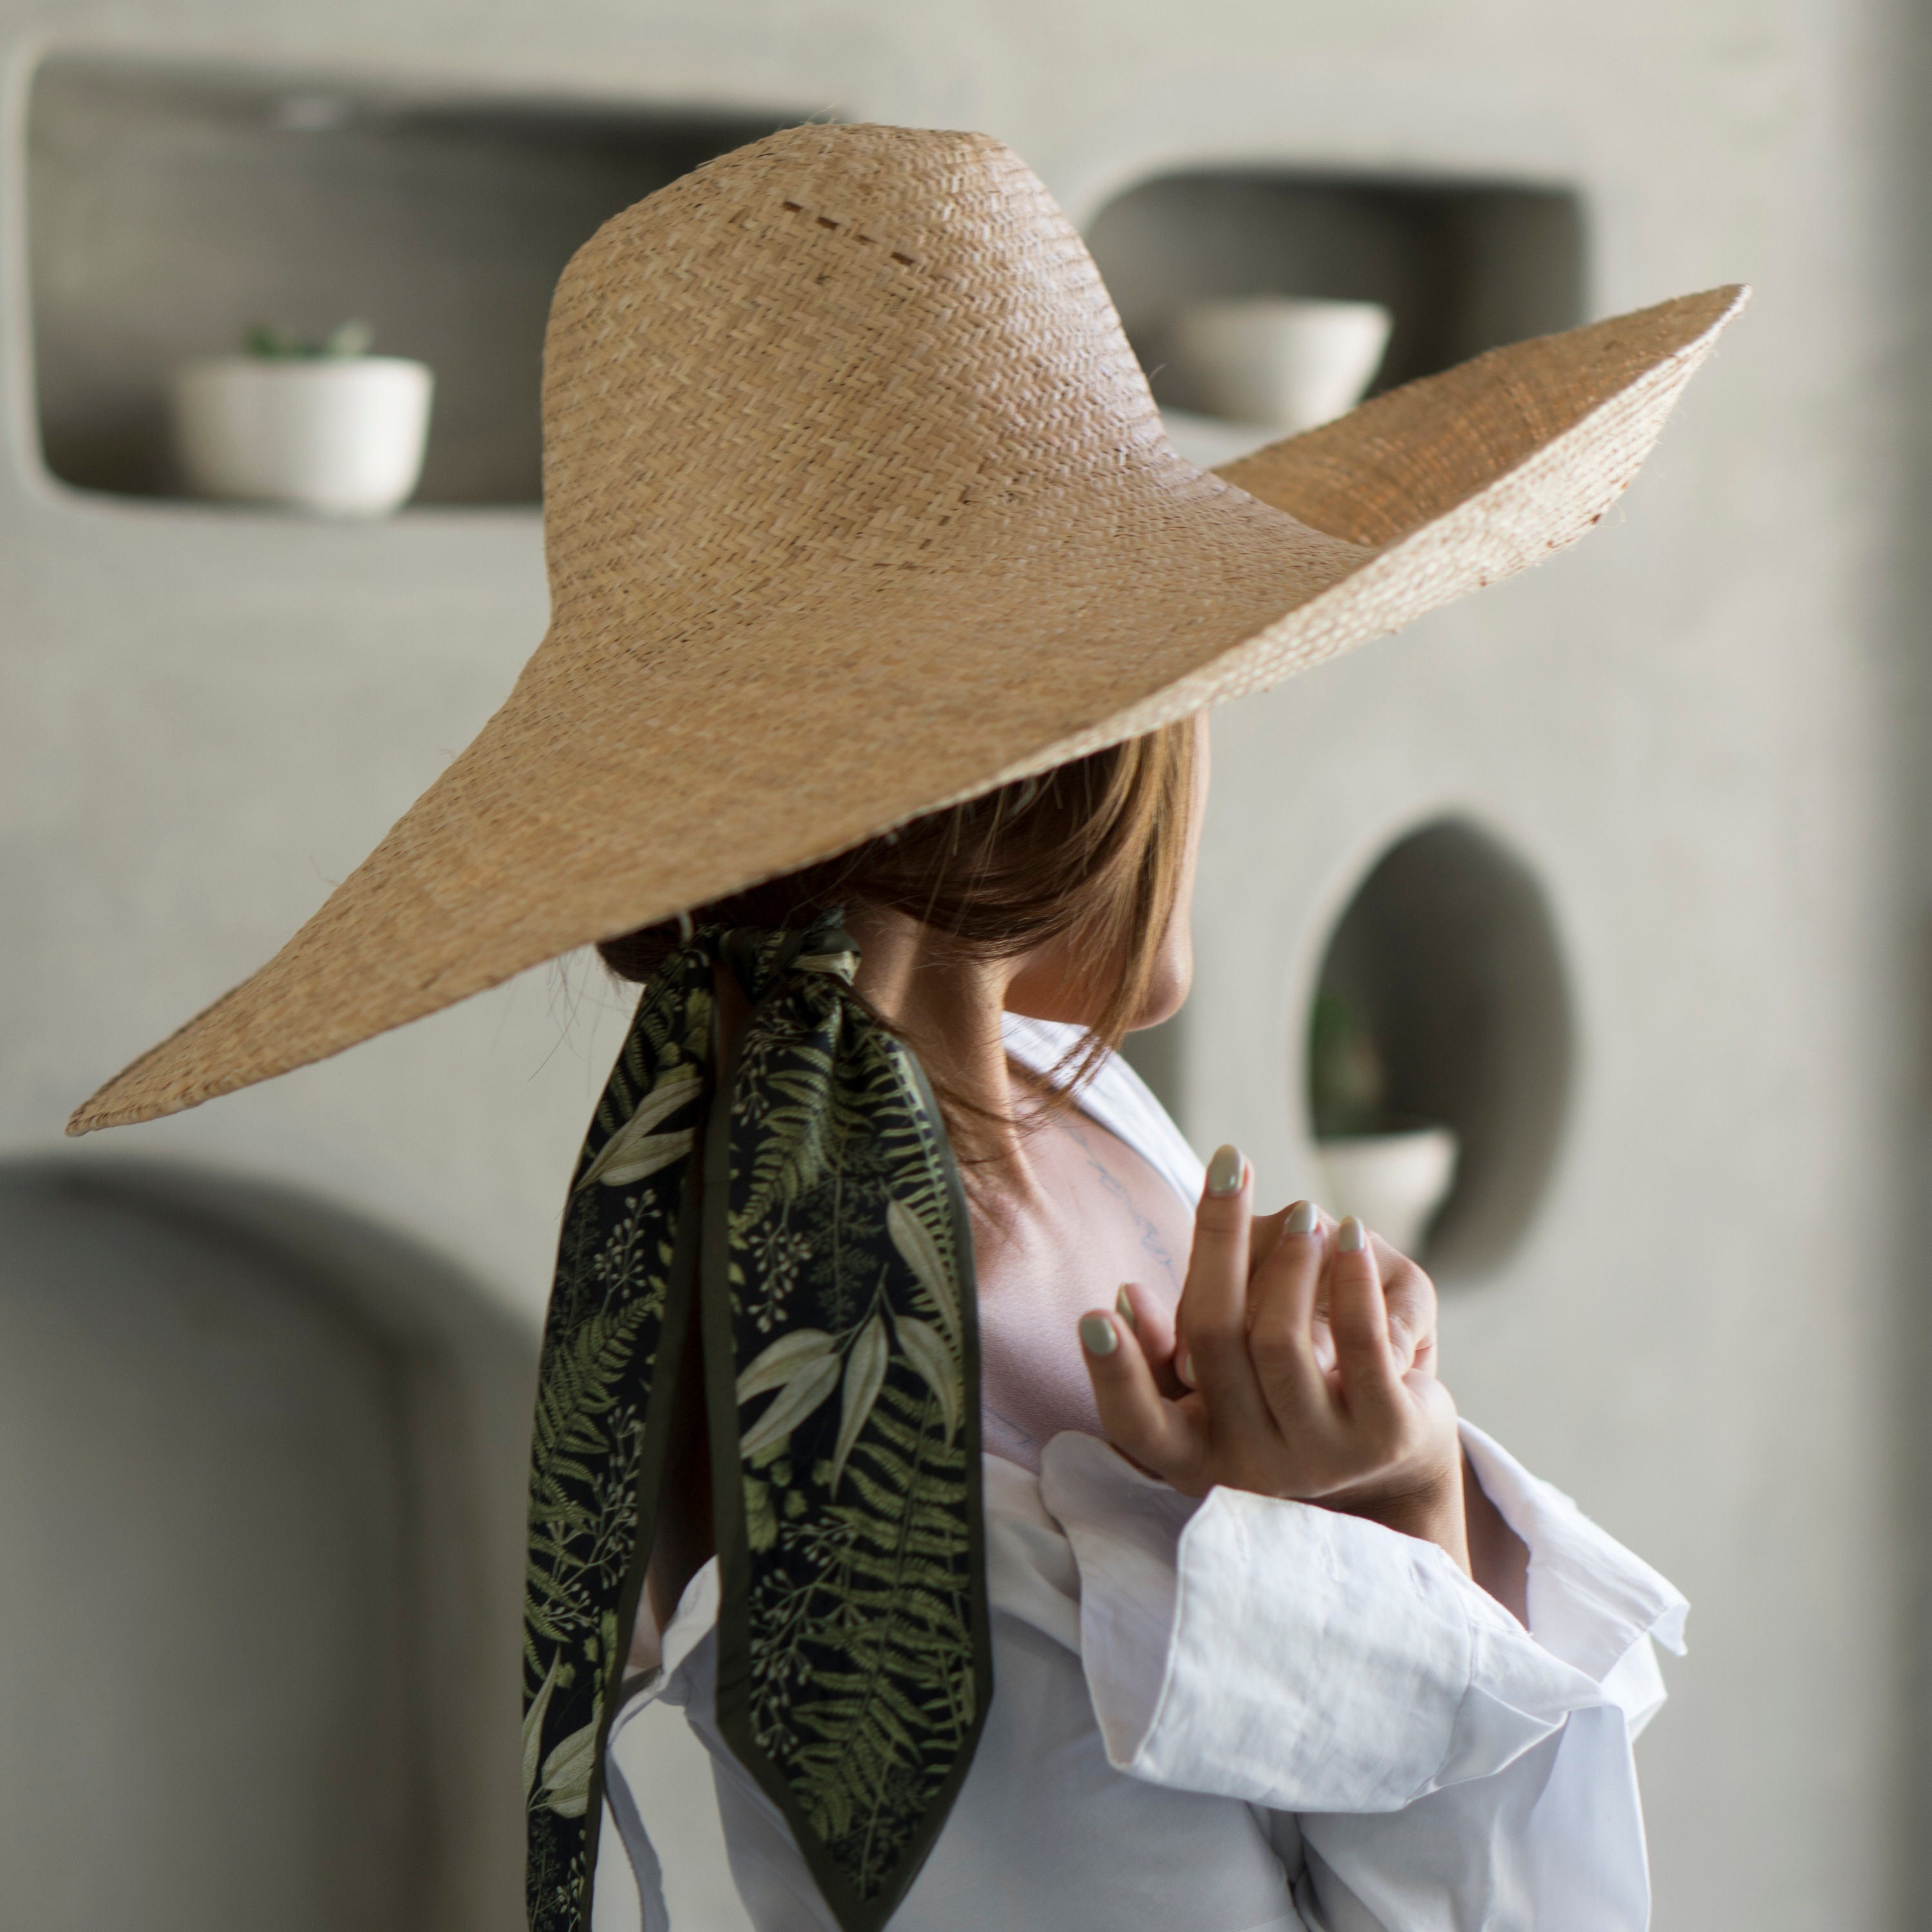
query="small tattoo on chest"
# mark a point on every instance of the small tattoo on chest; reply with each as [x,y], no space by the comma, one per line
[1154,1244]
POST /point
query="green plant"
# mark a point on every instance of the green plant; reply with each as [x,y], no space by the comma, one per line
[1348,1083]
[275,344]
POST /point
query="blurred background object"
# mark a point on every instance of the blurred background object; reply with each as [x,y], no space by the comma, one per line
[1283,363]
[321,426]
[1260,367]
[1617,874]
[173,203]
[259,1475]
[1393,1174]
[1439,1050]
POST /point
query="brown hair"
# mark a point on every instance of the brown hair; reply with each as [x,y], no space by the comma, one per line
[1090,852]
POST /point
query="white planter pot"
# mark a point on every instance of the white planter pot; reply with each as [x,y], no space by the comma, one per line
[342,436]
[1394,1183]
[1279,361]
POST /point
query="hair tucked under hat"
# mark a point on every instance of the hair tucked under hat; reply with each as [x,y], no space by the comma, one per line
[1090,852]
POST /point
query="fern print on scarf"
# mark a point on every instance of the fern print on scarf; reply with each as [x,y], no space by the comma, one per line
[827,1256]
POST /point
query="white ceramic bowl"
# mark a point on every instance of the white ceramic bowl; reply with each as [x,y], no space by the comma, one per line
[1395,1183]
[1280,360]
[341,436]
[1208,442]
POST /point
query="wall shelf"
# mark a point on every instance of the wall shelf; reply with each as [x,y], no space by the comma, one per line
[1461,266]
[1448,953]
[170,208]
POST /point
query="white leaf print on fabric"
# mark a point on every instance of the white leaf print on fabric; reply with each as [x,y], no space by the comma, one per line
[920,1252]
[924,1347]
[636,1151]
[809,1388]
[864,1371]
[566,1773]
[782,1360]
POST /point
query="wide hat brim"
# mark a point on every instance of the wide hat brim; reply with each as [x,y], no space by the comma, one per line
[855,505]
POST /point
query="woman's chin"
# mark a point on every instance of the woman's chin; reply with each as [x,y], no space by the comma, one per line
[1165,995]
[1163,1002]
[1155,1013]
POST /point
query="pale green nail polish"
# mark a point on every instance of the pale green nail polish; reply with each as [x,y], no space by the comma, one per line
[1351,1237]
[1303,1218]
[1127,1311]
[1183,1367]
[1226,1171]
[1096,1335]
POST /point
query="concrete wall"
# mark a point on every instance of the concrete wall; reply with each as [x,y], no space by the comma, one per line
[1692,731]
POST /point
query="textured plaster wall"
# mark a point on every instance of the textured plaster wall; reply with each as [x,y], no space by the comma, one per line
[1692,729]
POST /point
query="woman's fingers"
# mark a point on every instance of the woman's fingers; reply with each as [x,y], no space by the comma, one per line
[1211,1325]
[1153,1323]
[1358,1321]
[1135,1417]
[1281,1318]
[1264,1232]
[1411,1298]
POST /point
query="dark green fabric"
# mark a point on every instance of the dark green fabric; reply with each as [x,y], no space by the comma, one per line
[827,1258]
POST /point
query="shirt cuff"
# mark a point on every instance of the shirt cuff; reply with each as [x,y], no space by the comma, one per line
[1591,1602]
[1288,1655]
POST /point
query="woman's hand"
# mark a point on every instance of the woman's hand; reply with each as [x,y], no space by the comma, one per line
[1304,1367]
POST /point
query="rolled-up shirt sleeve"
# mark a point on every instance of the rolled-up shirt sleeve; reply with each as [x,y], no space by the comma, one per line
[1591,1602]
[1448,1767]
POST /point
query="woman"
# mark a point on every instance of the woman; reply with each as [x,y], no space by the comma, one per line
[1286,1360]
[865,540]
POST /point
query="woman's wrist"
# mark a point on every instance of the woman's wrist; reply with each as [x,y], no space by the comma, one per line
[1431,1511]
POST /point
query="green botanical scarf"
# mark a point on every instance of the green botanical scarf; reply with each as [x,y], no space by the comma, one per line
[802,1205]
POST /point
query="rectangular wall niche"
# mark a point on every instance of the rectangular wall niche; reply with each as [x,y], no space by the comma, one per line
[1461,267]
[169,209]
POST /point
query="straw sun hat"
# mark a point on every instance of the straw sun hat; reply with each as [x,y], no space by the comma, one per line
[856,505]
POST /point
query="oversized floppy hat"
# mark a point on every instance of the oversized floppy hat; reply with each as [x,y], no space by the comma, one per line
[856,505]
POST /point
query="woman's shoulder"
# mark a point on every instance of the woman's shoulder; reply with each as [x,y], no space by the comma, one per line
[1116,1096]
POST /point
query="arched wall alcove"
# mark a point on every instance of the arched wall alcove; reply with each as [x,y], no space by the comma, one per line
[1446,964]
[260,1491]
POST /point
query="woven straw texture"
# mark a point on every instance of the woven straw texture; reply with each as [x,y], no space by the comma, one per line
[857,504]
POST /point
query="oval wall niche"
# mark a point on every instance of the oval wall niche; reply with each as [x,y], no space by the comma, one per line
[1442,1002]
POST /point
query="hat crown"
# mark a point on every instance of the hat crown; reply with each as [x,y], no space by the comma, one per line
[832,349]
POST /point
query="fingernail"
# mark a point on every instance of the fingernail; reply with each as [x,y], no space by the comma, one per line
[1096,1335]
[1303,1218]
[1183,1367]
[1127,1311]
[1226,1171]
[1351,1237]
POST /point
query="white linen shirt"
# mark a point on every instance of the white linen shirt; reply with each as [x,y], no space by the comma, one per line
[1242,1715]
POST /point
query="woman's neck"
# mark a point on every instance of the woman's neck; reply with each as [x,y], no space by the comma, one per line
[947,1004]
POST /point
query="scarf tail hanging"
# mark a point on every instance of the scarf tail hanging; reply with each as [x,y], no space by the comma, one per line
[831,1270]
